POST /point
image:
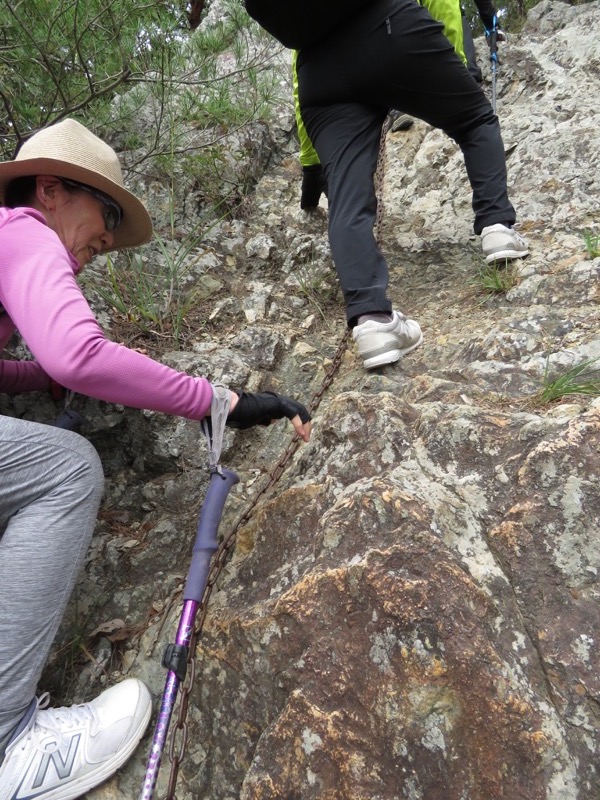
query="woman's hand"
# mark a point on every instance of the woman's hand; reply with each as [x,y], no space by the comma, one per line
[262,408]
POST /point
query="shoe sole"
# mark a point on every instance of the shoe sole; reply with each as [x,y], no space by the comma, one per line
[391,356]
[104,771]
[506,254]
[405,125]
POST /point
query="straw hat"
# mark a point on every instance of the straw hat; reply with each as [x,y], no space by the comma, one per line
[69,150]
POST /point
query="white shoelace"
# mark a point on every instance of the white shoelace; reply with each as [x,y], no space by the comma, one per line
[520,238]
[56,721]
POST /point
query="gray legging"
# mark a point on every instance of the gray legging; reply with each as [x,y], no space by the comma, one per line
[51,484]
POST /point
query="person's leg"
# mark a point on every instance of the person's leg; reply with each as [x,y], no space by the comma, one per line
[413,66]
[346,137]
[469,48]
[50,488]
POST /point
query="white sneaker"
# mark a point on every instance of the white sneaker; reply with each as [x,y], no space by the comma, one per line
[500,242]
[382,343]
[61,753]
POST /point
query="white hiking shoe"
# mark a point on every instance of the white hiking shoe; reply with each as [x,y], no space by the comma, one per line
[61,753]
[381,343]
[500,242]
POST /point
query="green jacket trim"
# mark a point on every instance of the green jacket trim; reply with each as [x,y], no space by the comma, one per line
[308,154]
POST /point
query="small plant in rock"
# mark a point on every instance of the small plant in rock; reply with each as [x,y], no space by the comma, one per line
[582,379]
[153,297]
[592,243]
[496,278]
[156,293]
[316,286]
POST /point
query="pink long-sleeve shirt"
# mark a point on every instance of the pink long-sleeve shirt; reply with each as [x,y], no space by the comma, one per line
[41,299]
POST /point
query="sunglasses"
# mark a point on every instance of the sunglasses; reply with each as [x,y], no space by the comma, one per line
[111,211]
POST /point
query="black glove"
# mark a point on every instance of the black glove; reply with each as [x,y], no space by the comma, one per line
[263,407]
[313,186]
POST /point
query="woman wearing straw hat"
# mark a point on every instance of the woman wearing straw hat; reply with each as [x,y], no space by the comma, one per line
[65,202]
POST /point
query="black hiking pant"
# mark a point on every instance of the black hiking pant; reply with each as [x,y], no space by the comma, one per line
[393,55]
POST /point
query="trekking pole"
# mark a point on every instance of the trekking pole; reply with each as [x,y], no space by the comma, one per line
[176,655]
[493,42]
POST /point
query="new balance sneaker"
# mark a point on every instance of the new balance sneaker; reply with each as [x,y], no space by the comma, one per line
[61,753]
[500,242]
[381,343]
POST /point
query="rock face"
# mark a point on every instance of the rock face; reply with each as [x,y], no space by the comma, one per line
[412,611]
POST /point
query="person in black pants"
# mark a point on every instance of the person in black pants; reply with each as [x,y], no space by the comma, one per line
[393,54]
[398,121]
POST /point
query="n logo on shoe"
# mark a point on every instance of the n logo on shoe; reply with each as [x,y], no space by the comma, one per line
[62,767]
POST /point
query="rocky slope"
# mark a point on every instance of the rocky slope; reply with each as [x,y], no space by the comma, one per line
[412,611]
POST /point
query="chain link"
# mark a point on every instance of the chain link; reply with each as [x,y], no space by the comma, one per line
[228,543]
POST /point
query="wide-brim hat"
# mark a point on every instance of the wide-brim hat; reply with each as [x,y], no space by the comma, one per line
[69,150]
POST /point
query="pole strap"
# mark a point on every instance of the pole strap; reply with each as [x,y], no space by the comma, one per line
[213,427]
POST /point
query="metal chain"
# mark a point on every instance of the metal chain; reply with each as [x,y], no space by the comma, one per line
[180,729]
[176,750]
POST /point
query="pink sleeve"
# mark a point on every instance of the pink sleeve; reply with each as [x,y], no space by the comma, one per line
[22,376]
[39,291]
[18,376]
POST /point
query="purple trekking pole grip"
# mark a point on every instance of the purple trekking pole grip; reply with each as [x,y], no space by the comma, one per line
[221,481]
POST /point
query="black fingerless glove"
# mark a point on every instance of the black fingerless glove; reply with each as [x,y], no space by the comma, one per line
[262,407]
[313,186]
